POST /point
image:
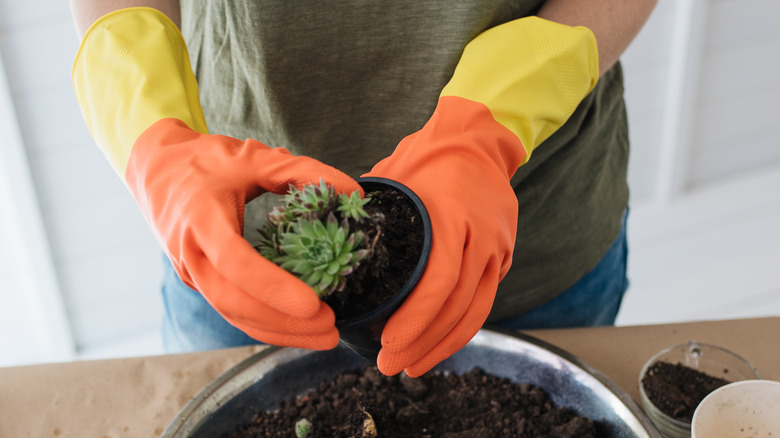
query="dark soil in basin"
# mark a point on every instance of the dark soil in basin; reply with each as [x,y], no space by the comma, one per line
[436,405]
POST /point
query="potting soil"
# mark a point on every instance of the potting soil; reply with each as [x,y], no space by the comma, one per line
[436,405]
[394,233]
[676,390]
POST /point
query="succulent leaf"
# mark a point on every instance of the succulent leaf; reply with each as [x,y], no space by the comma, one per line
[352,206]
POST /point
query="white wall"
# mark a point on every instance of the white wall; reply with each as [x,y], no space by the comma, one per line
[29,290]
[723,71]
[106,263]
[702,85]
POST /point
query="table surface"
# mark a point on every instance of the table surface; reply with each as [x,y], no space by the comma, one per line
[138,397]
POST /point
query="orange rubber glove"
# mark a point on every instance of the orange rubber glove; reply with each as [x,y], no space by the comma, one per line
[514,86]
[139,97]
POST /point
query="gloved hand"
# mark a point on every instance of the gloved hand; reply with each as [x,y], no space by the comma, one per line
[139,97]
[514,86]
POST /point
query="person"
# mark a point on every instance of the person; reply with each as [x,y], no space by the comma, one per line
[505,117]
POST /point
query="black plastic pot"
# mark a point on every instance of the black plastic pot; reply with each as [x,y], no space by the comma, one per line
[362,334]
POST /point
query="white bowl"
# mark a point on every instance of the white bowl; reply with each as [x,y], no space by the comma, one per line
[746,408]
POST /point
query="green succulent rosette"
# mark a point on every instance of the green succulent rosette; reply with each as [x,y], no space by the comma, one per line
[309,235]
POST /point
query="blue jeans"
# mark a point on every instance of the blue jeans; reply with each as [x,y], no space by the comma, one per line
[593,301]
[191,324]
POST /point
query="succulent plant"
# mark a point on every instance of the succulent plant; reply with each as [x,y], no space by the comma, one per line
[311,201]
[309,235]
[351,206]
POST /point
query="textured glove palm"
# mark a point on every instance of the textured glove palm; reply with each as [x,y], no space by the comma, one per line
[513,87]
[192,188]
[139,97]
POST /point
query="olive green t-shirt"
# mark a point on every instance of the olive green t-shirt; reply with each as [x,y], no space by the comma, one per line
[345,81]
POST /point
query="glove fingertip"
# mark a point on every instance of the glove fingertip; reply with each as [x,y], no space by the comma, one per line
[389,364]
[415,373]
[342,183]
[326,341]
[296,300]
[400,333]
[424,365]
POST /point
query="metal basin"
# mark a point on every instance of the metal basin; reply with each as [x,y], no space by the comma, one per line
[262,381]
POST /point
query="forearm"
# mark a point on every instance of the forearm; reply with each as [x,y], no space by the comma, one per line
[86,12]
[615,23]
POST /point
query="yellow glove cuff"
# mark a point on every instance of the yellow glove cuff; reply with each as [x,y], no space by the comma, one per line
[531,73]
[132,70]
